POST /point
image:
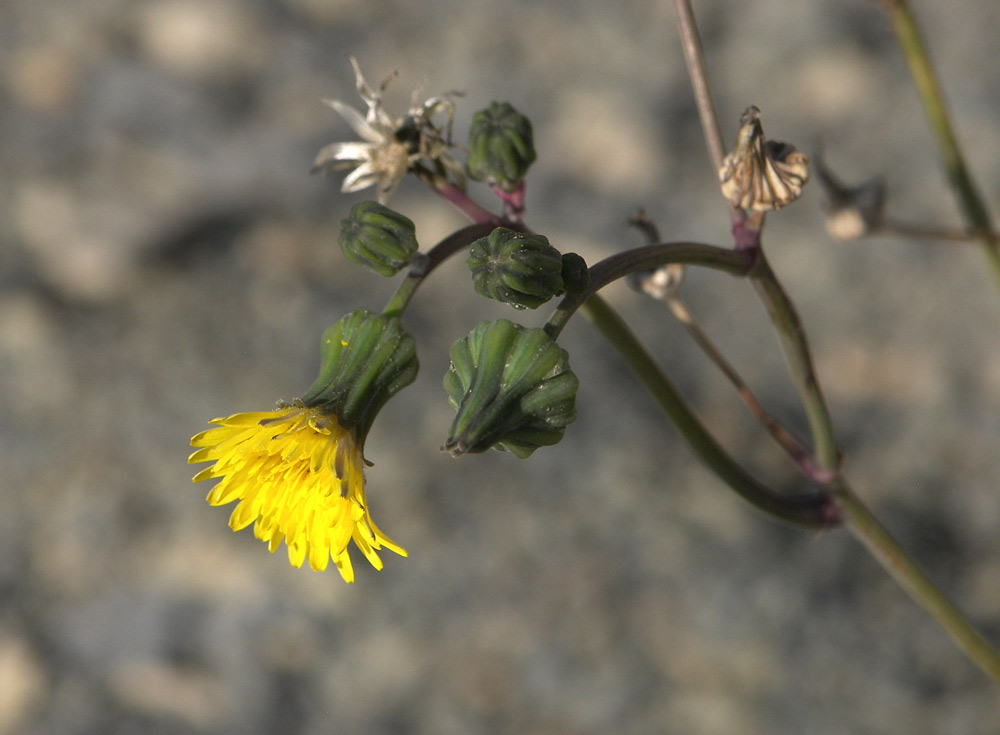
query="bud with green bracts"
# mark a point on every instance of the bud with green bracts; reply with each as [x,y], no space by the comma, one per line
[512,388]
[365,360]
[501,146]
[378,238]
[517,268]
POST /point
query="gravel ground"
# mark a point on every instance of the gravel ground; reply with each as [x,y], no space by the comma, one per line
[167,259]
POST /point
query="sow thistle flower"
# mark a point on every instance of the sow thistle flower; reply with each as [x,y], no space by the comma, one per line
[298,471]
[391,146]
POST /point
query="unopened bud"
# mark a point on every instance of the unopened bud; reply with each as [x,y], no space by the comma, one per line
[378,238]
[517,268]
[851,211]
[501,146]
[512,388]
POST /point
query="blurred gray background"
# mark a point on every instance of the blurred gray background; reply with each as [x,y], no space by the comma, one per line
[166,258]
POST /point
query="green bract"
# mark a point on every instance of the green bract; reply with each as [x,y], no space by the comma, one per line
[517,268]
[512,388]
[364,361]
[501,146]
[378,238]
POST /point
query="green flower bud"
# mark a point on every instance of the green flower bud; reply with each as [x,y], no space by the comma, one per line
[377,238]
[501,146]
[517,268]
[512,388]
[364,361]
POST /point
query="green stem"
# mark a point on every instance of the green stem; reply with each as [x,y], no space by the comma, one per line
[917,58]
[619,265]
[811,510]
[912,578]
[456,241]
[800,366]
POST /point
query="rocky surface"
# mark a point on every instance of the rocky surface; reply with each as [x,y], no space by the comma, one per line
[167,259]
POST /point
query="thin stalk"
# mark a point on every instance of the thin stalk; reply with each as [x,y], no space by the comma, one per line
[800,366]
[917,58]
[809,510]
[791,446]
[619,265]
[695,60]
[896,228]
[733,262]
[458,198]
[866,527]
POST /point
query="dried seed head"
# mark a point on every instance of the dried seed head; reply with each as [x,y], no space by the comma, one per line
[762,174]
[851,211]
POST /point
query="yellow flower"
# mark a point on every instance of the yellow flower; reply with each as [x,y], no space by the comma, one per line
[299,477]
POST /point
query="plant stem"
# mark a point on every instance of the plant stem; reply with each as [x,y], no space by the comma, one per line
[918,60]
[800,366]
[836,503]
[810,510]
[619,265]
[912,578]
[458,198]
[791,446]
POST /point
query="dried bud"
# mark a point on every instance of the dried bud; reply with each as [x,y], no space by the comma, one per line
[501,146]
[517,268]
[378,238]
[851,211]
[512,388]
[660,283]
[762,174]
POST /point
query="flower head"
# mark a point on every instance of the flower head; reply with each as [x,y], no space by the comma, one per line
[298,475]
[390,147]
[298,471]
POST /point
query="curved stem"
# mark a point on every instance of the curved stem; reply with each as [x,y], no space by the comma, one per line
[912,578]
[619,265]
[811,510]
[917,58]
[456,241]
[800,366]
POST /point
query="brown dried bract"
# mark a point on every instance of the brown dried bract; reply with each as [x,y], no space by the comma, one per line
[762,174]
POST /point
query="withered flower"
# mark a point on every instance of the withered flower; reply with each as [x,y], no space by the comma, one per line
[391,146]
[851,211]
[761,174]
